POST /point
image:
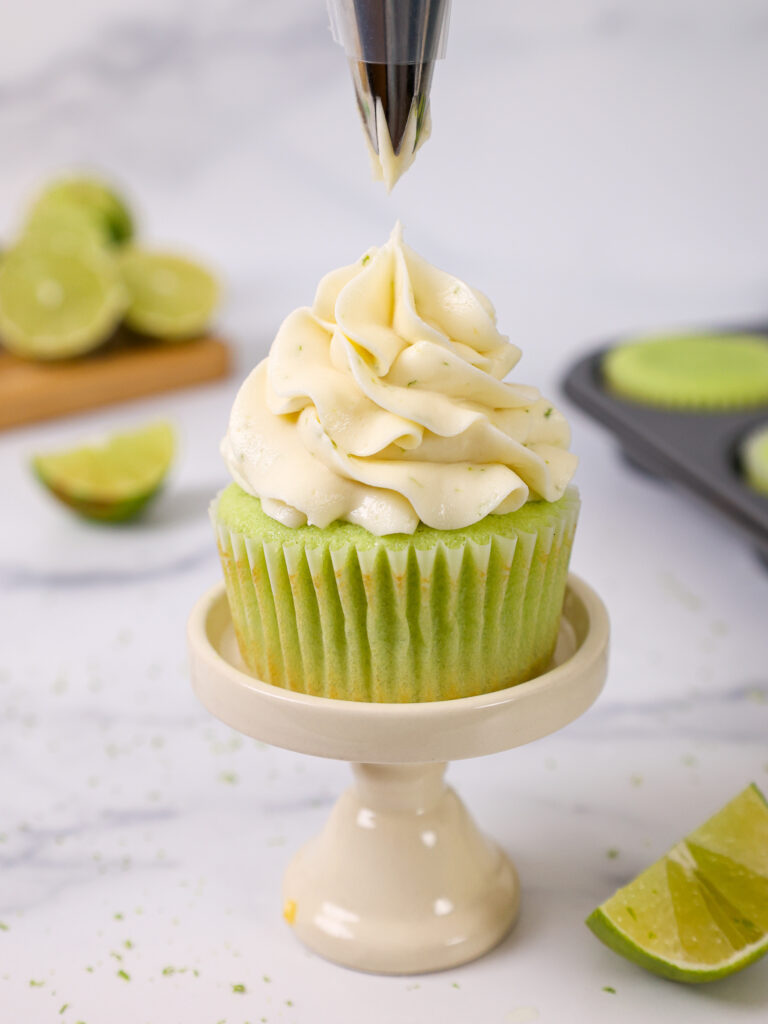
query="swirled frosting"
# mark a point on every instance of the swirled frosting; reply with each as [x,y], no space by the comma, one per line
[384,405]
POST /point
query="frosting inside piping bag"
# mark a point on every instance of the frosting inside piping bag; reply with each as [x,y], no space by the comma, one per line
[384,404]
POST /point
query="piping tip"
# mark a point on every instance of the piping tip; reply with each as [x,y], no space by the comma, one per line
[396,94]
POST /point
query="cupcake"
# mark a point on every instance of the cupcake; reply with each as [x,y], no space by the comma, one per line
[693,373]
[400,522]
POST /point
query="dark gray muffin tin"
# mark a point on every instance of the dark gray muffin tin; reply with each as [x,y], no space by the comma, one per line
[697,451]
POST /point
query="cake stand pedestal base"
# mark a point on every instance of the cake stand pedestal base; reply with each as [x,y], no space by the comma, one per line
[400,880]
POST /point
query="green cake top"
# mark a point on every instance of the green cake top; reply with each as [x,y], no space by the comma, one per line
[242,513]
[691,371]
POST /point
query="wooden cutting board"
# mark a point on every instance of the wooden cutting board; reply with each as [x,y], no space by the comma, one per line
[129,367]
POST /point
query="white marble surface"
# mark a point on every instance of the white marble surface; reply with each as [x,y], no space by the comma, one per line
[595,167]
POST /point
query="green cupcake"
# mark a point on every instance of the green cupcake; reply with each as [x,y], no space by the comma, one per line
[400,524]
[339,612]
[754,459]
[691,372]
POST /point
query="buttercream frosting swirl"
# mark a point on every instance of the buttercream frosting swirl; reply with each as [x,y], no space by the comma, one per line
[384,404]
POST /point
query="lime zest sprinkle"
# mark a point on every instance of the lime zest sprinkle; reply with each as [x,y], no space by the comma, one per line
[238,988]
[124,975]
[411,383]
[35,984]
[631,912]
[64,1007]
[266,978]
[366,259]
[4,927]
[611,853]
[128,944]
[118,917]
[548,413]
[609,988]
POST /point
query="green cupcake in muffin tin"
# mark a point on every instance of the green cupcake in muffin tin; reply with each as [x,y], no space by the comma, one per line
[691,372]
[754,459]
[339,612]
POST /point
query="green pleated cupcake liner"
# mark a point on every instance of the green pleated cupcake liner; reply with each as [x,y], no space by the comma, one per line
[400,622]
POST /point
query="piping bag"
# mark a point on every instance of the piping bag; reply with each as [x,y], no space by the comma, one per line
[391,47]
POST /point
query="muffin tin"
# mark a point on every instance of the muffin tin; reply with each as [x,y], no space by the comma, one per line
[698,451]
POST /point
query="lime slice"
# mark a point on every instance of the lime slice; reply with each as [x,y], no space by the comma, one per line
[62,228]
[754,458]
[114,480]
[171,297]
[701,912]
[94,200]
[54,305]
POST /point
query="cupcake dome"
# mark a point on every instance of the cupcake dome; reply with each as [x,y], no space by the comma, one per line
[754,459]
[693,372]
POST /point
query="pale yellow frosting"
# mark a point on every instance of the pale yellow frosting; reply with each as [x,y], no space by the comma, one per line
[384,405]
[386,165]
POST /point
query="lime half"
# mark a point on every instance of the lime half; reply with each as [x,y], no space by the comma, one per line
[171,297]
[93,200]
[62,228]
[54,305]
[701,912]
[114,480]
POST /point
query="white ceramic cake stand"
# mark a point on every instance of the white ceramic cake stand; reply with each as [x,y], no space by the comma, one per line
[400,880]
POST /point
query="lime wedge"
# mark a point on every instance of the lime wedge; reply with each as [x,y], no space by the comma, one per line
[114,480]
[54,305]
[94,200]
[701,912]
[171,297]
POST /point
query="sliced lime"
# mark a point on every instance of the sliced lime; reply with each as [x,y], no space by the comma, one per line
[114,480]
[171,296]
[54,305]
[754,458]
[61,227]
[701,912]
[94,200]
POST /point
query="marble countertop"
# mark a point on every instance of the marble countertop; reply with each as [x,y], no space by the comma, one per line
[595,168]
